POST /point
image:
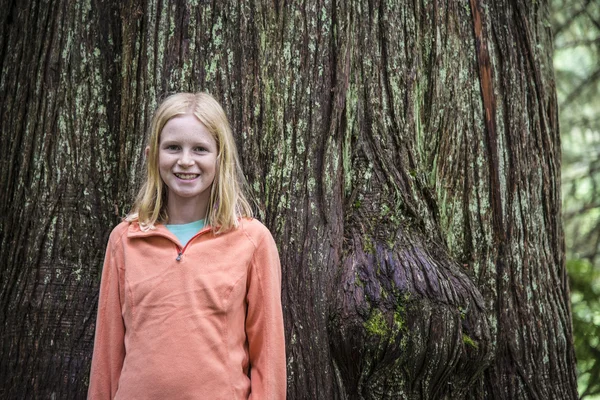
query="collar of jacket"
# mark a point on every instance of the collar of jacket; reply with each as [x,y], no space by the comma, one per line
[134,231]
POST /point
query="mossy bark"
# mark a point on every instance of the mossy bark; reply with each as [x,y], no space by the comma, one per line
[405,156]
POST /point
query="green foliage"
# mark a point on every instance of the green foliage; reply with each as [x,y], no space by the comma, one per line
[576,26]
[585,295]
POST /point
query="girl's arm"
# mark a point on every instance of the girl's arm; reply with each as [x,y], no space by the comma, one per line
[109,345]
[264,324]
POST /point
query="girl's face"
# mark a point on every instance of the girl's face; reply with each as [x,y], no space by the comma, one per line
[187,161]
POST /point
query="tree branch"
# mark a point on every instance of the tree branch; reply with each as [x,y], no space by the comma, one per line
[572,18]
[577,91]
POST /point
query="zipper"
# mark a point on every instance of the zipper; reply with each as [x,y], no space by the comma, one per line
[180,250]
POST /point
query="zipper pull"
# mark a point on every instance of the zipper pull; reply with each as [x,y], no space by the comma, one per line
[178,256]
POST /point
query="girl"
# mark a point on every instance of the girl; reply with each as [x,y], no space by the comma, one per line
[189,304]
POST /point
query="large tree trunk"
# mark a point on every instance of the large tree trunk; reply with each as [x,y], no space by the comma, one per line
[405,156]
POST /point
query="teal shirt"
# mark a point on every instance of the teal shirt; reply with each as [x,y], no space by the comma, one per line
[185,232]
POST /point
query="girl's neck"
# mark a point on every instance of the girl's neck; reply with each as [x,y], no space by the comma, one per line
[185,212]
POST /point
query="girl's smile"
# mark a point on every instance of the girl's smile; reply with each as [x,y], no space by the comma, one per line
[187,177]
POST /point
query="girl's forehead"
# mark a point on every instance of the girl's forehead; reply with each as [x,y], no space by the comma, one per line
[185,126]
[183,121]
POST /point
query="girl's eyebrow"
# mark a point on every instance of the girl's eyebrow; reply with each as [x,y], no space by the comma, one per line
[206,145]
[203,144]
[195,143]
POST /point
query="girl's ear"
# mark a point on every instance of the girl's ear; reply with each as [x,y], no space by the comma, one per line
[147,151]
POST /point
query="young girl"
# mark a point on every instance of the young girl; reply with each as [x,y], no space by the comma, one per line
[190,304]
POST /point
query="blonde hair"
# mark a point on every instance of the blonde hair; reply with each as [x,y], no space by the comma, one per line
[227,201]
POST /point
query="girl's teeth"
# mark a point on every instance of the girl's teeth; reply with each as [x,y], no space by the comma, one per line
[186,176]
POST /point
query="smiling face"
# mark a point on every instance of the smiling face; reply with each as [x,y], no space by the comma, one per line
[187,160]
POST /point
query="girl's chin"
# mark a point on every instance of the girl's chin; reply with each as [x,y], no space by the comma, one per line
[187,194]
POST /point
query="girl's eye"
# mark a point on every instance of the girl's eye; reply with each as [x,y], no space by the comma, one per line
[172,147]
[201,149]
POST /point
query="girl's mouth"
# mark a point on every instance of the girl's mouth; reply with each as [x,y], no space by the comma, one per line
[187,177]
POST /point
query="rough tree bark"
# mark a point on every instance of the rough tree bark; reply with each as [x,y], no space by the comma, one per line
[406,157]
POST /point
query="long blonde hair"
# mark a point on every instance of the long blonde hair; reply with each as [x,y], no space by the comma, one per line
[227,199]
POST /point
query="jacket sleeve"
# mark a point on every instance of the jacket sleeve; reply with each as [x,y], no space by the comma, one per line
[264,324]
[109,342]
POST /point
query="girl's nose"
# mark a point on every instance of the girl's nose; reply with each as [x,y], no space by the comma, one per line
[185,159]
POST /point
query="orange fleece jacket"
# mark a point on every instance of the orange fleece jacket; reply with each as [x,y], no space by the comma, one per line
[206,326]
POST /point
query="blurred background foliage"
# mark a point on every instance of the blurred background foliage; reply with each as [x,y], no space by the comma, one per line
[576,25]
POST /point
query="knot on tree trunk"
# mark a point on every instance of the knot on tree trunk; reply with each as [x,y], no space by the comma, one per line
[407,323]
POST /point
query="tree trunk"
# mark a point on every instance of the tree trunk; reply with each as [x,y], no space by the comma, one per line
[406,158]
